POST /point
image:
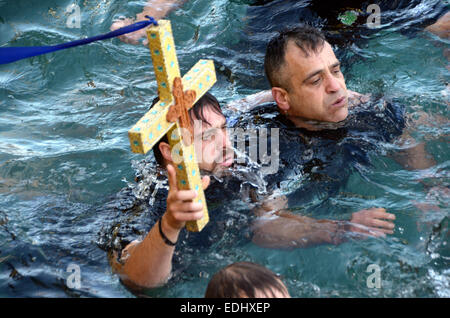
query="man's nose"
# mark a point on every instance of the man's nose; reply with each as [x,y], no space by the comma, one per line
[332,84]
[224,141]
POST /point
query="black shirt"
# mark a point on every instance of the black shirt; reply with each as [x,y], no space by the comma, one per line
[318,163]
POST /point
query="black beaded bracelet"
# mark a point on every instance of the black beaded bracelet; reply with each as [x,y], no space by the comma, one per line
[165,239]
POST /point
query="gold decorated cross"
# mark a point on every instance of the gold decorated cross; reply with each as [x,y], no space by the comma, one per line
[170,115]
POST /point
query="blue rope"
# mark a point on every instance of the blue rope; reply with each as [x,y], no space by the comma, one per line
[12,54]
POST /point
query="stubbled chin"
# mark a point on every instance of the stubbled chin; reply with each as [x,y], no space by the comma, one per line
[339,115]
[344,113]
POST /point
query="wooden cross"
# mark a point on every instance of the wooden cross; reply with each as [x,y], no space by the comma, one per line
[179,111]
[170,115]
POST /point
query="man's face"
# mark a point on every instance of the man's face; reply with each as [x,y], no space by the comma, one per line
[211,142]
[316,87]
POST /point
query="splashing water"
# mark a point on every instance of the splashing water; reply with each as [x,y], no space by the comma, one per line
[150,178]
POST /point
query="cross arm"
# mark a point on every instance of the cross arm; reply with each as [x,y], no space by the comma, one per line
[153,125]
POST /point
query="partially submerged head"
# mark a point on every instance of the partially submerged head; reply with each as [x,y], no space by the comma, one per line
[305,76]
[246,280]
[211,141]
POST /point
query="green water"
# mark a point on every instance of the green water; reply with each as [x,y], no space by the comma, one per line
[64,149]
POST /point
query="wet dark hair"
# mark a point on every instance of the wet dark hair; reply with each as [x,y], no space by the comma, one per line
[243,279]
[196,112]
[307,38]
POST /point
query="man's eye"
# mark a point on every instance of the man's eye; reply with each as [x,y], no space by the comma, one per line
[316,82]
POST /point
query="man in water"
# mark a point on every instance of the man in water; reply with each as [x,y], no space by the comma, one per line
[313,104]
[308,85]
[148,263]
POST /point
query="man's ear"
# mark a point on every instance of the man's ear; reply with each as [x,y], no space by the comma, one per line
[280,95]
[166,151]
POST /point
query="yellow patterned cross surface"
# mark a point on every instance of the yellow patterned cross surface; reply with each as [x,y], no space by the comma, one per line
[188,173]
[154,125]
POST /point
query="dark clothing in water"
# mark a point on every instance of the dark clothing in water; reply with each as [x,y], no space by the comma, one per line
[318,163]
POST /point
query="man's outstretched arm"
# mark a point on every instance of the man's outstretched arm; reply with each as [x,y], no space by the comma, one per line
[441,27]
[278,228]
[251,101]
[157,9]
[148,264]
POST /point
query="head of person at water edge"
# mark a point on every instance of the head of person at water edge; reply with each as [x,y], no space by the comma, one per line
[212,144]
[305,76]
[246,280]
